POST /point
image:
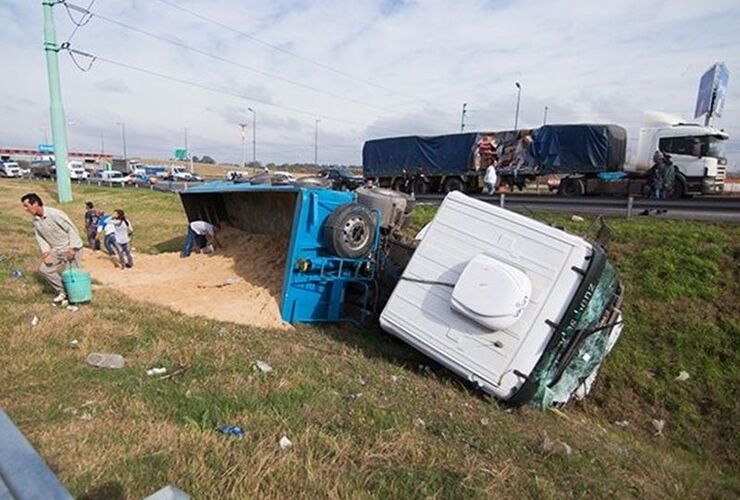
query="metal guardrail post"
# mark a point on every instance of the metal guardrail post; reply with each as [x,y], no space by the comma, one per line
[502,200]
[630,201]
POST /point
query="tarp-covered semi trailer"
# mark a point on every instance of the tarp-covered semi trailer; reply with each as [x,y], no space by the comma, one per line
[457,162]
[330,259]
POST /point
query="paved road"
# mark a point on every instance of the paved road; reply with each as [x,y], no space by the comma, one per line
[717,208]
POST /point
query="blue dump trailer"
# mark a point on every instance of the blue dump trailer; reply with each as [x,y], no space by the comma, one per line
[331,259]
[457,162]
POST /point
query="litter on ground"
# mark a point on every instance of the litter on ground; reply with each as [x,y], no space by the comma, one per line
[156,371]
[34,320]
[263,367]
[683,376]
[659,425]
[105,360]
[232,430]
[285,443]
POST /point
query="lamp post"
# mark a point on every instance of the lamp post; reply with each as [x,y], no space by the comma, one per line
[518,97]
[316,144]
[544,118]
[254,136]
[243,126]
[186,143]
[123,137]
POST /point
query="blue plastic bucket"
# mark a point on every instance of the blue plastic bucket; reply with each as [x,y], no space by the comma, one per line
[78,285]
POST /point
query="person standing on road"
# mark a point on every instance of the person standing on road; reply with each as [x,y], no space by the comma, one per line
[490,179]
[655,177]
[198,233]
[668,175]
[108,230]
[91,226]
[58,239]
[123,229]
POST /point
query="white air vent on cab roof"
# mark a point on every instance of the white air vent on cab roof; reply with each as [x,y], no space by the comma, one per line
[491,293]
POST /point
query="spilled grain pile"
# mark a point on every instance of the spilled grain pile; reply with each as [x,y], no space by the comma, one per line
[242,282]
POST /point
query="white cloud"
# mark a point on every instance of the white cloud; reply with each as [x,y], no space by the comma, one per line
[416,62]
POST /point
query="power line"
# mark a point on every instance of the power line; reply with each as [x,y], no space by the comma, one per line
[216,57]
[292,54]
[217,90]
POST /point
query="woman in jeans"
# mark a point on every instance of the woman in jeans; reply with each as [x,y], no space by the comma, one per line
[123,241]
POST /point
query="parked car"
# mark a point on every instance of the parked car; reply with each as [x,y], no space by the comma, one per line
[342,178]
[9,169]
[113,177]
[43,169]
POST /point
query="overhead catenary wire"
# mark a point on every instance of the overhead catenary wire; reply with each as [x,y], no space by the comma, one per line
[313,114]
[217,57]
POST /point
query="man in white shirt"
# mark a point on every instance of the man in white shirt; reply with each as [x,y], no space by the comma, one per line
[198,233]
[490,179]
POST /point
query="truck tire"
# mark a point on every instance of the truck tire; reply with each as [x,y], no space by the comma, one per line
[453,184]
[679,188]
[570,188]
[349,231]
[421,186]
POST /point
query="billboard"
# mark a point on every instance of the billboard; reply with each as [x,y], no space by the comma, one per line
[712,91]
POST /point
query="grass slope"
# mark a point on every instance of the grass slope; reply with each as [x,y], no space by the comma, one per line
[409,434]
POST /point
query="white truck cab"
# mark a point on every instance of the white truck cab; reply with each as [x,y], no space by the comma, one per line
[696,150]
[523,311]
[10,169]
[181,174]
[77,170]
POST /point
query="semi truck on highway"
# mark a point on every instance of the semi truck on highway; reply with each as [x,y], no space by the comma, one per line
[589,158]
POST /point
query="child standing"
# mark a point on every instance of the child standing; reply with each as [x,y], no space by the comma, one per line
[123,241]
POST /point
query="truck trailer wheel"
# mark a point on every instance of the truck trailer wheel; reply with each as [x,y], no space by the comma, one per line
[571,188]
[453,184]
[349,231]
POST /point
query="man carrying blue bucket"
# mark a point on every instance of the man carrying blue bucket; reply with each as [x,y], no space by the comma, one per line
[58,239]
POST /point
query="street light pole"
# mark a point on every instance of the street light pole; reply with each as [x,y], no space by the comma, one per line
[316,144]
[186,142]
[518,97]
[254,136]
[243,126]
[462,118]
[544,118]
[123,137]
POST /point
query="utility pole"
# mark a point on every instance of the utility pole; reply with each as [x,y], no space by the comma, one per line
[123,137]
[58,127]
[462,118]
[102,144]
[254,137]
[186,142]
[243,126]
[544,118]
[518,96]
[316,144]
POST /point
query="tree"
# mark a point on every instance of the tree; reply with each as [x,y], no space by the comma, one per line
[207,159]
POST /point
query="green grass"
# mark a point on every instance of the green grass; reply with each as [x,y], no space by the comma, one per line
[680,312]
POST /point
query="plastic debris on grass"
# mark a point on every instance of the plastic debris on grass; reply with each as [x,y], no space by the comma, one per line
[105,360]
[156,371]
[232,430]
[683,376]
[263,367]
[285,443]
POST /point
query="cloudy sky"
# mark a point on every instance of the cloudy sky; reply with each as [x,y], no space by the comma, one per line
[364,68]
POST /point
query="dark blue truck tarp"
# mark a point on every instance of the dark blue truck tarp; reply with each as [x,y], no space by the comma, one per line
[581,148]
[566,149]
[437,155]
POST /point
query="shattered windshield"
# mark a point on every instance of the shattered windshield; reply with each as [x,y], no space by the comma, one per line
[584,345]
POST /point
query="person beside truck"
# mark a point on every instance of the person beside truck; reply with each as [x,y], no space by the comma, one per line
[58,239]
[198,233]
[123,230]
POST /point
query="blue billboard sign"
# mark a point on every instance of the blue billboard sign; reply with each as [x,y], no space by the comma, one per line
[46,148]
[712,91]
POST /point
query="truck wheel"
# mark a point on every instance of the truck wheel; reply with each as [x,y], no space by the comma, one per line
[349,231]
[571,188]
[421,186]
[453,184]
[678,190]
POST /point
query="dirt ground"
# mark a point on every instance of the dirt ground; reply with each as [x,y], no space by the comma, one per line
[241,283]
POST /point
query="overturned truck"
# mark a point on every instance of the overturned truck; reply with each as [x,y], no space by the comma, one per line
[524,311]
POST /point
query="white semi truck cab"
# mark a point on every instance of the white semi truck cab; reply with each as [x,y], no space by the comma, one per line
[696,150]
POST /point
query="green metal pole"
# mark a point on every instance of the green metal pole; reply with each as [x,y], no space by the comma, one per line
[58,123]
